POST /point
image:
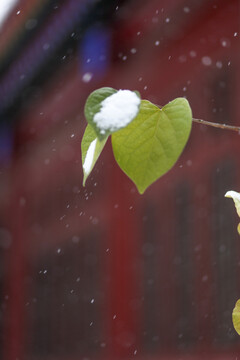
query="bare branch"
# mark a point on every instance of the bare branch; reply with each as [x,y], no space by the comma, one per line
[217,125]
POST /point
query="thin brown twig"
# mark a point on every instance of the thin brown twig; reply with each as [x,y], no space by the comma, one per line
[217,125]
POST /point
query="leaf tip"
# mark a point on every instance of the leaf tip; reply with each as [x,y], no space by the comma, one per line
[141,189]
[85,176]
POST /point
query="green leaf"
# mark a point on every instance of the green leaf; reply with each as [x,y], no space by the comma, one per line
[151,144]
[93,106]
[236,317]
[107,116]
[91,148]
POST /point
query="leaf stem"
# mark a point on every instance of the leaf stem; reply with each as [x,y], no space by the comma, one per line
[217,125]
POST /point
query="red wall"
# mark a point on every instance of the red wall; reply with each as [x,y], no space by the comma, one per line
[147,260]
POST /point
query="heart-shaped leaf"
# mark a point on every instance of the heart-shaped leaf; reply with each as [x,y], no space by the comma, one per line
[91,148]
[151,144]
[108,110]
[236,317]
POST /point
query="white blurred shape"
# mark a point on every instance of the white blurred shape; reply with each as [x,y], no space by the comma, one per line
[5,9]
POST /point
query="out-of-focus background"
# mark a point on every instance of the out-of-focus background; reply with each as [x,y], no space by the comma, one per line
[102,272]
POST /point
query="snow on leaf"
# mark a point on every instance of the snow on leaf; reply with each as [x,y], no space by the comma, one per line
[109,110]
[236,198]
[117,111]
[91,148]
[89,156]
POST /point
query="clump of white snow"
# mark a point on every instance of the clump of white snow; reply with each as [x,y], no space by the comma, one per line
[89,157]
[117,111]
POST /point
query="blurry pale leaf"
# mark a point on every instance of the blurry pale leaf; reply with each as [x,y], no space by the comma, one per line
[91,148]
[236,317]
[107,110]
[152,143]
[236,198]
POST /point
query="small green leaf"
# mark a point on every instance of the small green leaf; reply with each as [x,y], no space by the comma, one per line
[108,110]
[236,317]
[91,148]
[93,106]
[151,144]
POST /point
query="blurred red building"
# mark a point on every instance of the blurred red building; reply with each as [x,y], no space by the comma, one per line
[102,272]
